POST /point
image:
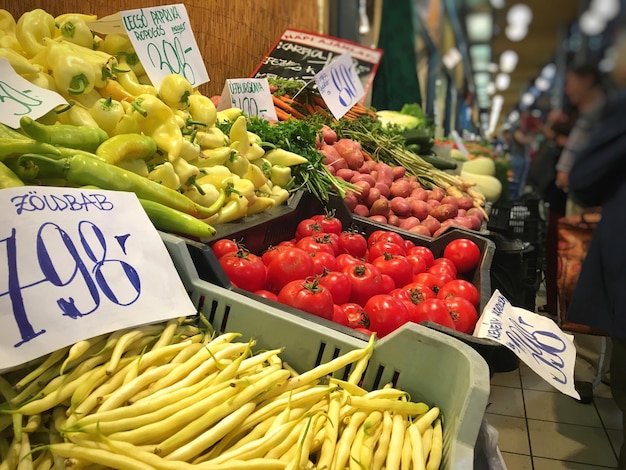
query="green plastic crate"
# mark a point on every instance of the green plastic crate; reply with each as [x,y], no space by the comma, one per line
[431,366]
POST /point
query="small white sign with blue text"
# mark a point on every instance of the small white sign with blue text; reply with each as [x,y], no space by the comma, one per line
[339,85]
[535,339]
[78,263]
[251,95]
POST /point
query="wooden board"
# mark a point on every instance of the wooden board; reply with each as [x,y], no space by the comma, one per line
[233,35]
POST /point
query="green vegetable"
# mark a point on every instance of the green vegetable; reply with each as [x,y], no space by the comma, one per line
[9,147]
[8,179]
[396,119]
[438,162]
[66,135]
[171,220]
[480,166]
[127,147]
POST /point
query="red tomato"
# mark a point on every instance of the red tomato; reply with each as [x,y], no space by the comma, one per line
[308,296]
[365,281]
[223,247]
[386,313]
[418,263]
[271,252]
[397,267]
[307,228]
[266,294]
[443,278]
[245,269]
[365,331]
[339,316]
[400,293]
[417,293]
[385,236]
[352,243]
[434,310]
[323,261]
[289,265]
[441,263]
[382,248]
[388,283]
[463,314]
[464,253]
[425,253]
[312,244]
[408,244]
[338,284]
[460,288]
[428,280]
[331,239]
[329,223]
[288,243]
[345,259]
[356,315]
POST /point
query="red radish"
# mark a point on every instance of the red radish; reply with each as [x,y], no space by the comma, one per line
[433,203]
[444,212]
[450,200]
[400,206]
[408,223]
[332,157]
[398,172]
[361,210]
[373,196]
[420,230]
[437,193]
[476,213]
[368,166]
[420,193]
[329,135]
[350,200]
[345,174]
[378,218]
[384,189]
[350,151]
[393,219]
[465,202]
[461,213]
[419,208]
[385,174]
[331,169]
[401,188]
[365,190]
[431,224]
[363,177]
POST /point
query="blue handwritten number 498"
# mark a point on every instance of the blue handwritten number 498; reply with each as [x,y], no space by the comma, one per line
[93,278]
[342,79]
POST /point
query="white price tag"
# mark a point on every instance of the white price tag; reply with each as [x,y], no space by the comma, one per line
[78,263]
[19,97]
[339,85]
[251,95]
[164,42]
[535,339]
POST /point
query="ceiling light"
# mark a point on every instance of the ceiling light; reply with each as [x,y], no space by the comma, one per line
[516,33]
[491,88]
[503,81]
[542,84]
[513,116]
[481,80]
[479,27]
[591,23]
[480,55]
[607,64]
[528,99]
[607,9]
[492,67]
[497,4]
[451,58]
[519,14]
[496,109]
[508,61]
[549,71]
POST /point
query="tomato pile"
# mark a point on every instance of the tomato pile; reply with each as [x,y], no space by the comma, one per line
[373,284]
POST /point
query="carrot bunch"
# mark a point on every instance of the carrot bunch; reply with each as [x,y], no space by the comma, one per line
[289,108]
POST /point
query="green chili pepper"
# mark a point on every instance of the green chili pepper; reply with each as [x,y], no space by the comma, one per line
[127,147]
[10,147]
[171,220]
[6,131]
[66,135]
[8,179]
[81,170]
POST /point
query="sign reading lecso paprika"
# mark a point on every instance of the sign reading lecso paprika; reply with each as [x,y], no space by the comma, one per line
[75,264]
[163,40]
[19,97]
[251,95]
[300,55]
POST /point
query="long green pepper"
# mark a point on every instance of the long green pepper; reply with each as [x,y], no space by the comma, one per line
[83,171]
[9,147]
[79,137]
[8,179]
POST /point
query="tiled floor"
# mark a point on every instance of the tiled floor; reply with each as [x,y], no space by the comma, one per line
[541,429]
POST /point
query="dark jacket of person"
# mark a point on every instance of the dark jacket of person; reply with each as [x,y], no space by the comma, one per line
[598,178]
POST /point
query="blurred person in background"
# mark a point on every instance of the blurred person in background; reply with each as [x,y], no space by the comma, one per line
[585,92]
[598,178]
[522,137]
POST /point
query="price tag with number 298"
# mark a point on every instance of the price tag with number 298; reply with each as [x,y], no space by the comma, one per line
[76,264]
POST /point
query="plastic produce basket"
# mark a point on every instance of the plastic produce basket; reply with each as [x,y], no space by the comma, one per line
[432,367]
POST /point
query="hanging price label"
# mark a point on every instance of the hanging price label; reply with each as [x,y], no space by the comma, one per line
[76,264]
[251,95]
[339,85]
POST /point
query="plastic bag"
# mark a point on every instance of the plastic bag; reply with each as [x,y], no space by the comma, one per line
[487,455]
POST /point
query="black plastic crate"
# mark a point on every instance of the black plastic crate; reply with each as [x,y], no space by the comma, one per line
[521,219]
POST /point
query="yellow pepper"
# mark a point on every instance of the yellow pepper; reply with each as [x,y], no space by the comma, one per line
[20,64]
[280,195]
[218,175]
[156,119]
[76,115]
[7,22]
[88,100]
[165,175]
[175,90]
[255,175]
[135,166]
[130,82]
[245,188]
[210,196]
[281,175]
[212,157]
[239,133]
[186,172]
[261,204]
[42,80]
[235,208]
[265,166]
[107,112]
[73,28]
[181,119]
[212,138]
[73,73]
[229,114]
[32,28]
[114,90]
[202,109]
[118,44]
[127,125]
[190,151]
[237,164]
[127,147]
[284,158]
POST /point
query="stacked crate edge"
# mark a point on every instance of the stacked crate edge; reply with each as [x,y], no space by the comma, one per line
[431,366]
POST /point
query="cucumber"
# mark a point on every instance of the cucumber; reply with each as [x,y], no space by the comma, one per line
[421,137]
[439,163]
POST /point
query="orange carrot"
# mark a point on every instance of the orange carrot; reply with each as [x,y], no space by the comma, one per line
[282,115]
[310,109]
[286,107]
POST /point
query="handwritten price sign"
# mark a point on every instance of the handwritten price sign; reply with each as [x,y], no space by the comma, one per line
[19,97]
[535,339]
[339,85]
[251,95]
[76,264]
[165,44]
